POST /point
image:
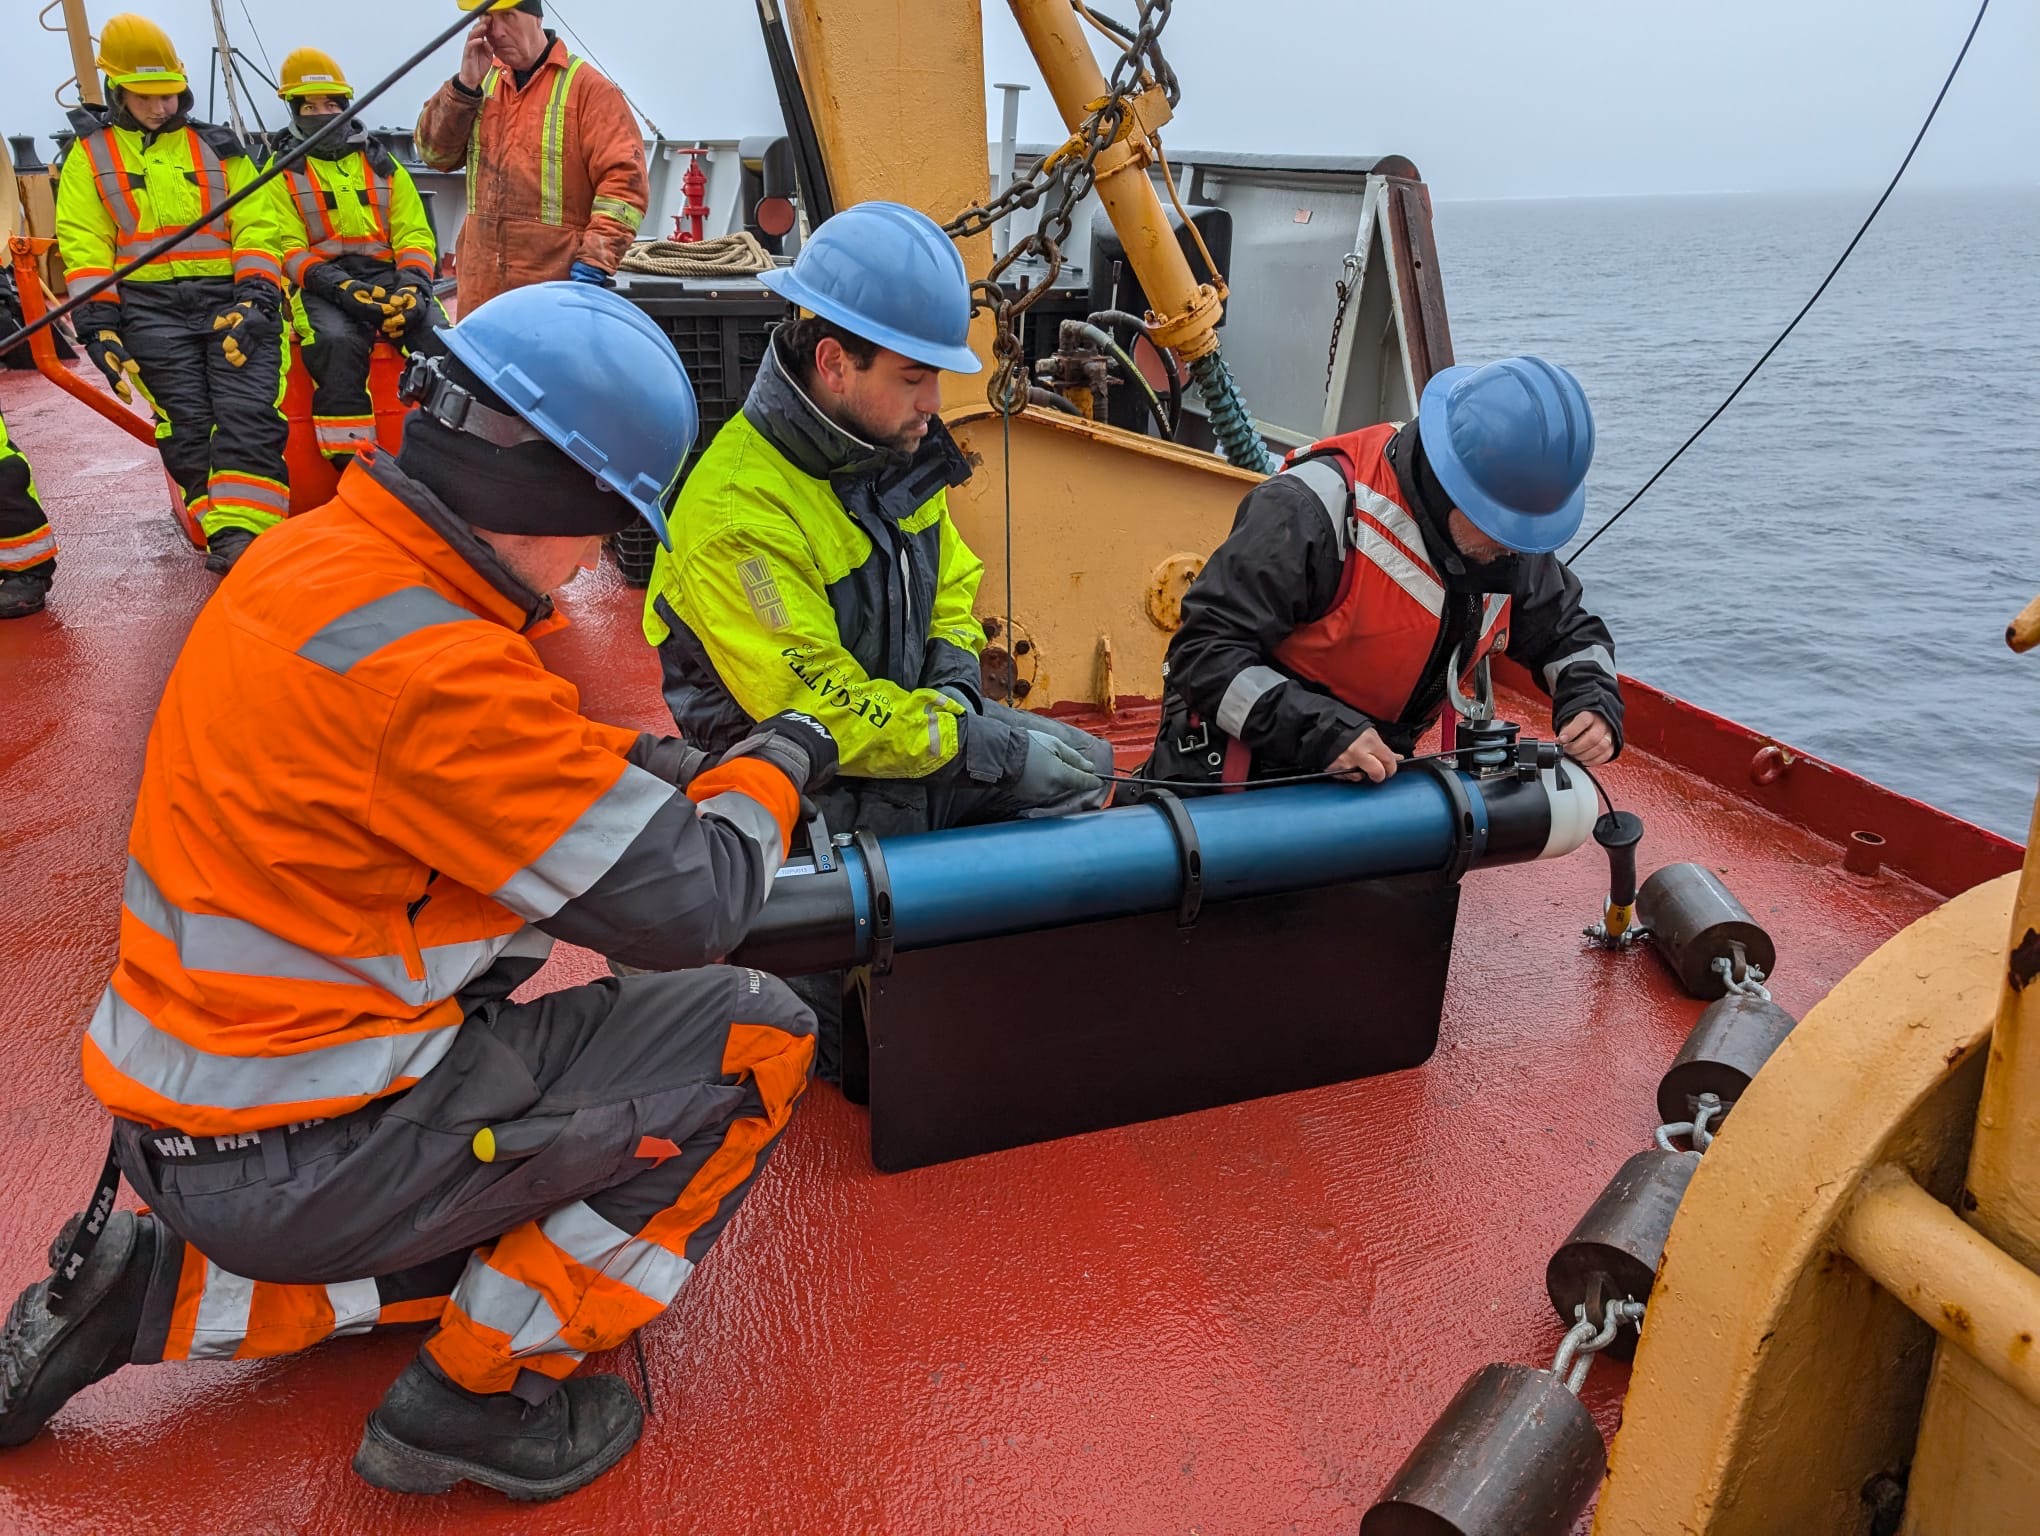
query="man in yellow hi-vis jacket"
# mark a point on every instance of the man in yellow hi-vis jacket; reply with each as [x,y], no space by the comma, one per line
[815,567]
[199,329]
[357,247]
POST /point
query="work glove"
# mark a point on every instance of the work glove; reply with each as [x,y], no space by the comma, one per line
[798,745]
[98,325]
[249,323]
[668,758]
[587,272]
[367,304]
[1057,779]
[411,310]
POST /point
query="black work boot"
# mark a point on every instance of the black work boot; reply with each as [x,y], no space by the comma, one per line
[222,549]
[22,593]
[430,1433]
[47,1358]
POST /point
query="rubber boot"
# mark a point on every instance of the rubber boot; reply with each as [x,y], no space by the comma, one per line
[22,593]
[430,1433]
[48,1358]
[222,549]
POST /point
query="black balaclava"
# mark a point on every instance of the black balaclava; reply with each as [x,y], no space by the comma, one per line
[336,146]
[532,488]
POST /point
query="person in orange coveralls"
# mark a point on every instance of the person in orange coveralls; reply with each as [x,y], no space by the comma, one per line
[367,811]
[556,176]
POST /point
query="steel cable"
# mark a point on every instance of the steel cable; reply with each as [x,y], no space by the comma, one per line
[1876,209]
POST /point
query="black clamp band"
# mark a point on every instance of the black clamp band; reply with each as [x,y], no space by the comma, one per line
[881,902]
[1189,851]
[821,848]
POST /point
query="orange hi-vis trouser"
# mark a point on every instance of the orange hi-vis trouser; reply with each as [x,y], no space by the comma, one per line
[655,1101]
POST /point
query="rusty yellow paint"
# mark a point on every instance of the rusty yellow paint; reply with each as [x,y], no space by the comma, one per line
[1168,584]
[1979,1448]
[1775,1377]
[1095,511]
[898,99]
[1954,1279]
[1186,311]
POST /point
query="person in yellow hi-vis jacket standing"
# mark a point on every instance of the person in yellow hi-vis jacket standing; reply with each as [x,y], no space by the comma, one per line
[357,247]
[198,330]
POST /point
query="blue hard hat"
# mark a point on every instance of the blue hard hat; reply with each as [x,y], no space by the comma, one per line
[596,377]
[1510,442]
[887,273]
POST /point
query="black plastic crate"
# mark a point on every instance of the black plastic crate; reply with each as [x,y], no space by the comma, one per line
[721,332]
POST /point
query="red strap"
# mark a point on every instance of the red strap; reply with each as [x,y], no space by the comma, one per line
[1239,764]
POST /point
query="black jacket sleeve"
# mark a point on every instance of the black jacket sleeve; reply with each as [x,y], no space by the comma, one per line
[1277,570]
[1567,649]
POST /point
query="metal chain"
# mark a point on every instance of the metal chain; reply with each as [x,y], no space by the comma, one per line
[1750,982]
[1585,1340]
[1707,1111]
[1073,170]
[1345,288]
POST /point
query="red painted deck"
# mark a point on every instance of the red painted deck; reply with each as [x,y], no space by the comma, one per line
[1236,1321]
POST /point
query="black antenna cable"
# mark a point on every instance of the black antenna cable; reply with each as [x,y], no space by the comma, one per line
[1837,267]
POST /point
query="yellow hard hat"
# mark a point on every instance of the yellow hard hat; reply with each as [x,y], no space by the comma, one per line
[489,5]
[308,72]
[137,56]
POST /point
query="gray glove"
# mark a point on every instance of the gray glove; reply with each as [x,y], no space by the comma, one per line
[668,758]
[798,745]
[1057,779]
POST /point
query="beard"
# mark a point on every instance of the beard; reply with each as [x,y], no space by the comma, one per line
[902,440]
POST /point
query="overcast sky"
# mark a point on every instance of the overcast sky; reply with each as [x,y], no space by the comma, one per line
[1491,98]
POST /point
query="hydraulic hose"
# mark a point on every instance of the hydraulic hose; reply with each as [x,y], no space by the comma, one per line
[1230,422]
[290,157]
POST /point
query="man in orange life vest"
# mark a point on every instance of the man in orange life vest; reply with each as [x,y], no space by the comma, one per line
[1322,633]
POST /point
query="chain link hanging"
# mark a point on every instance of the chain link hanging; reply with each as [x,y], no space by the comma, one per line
[1071,173]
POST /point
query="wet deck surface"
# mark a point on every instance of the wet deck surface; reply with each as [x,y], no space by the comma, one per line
[1234,1321]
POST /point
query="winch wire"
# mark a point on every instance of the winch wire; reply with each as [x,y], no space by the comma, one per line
[1877,208]
[337,123]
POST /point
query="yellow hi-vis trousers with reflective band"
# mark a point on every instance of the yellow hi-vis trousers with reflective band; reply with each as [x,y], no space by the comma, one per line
[654,1102]
[219,428]
[26,542]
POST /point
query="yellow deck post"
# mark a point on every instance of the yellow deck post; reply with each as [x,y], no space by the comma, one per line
[1979,1445]
[79,32]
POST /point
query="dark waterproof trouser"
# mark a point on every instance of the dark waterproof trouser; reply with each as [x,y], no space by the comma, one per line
[893,807]
[26,542]
[662,1096]
[337,347]
[219,428]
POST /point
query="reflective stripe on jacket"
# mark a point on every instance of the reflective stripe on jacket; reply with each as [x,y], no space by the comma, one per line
[555,172]
[121,190]
[350,207]
[363,796]
[1372,646]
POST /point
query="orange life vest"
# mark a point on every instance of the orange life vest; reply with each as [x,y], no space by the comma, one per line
[1369,649]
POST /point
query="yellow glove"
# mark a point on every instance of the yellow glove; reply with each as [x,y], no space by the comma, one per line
[396,314]
[107,351]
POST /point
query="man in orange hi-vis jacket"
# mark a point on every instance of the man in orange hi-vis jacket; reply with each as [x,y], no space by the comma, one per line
[367,811]
[556,179]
